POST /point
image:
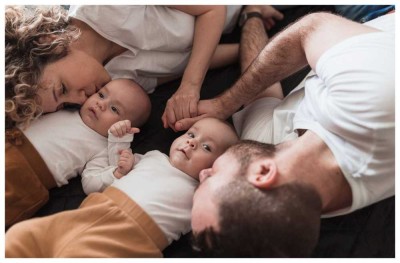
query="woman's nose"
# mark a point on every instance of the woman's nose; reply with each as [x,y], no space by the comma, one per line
[79,97]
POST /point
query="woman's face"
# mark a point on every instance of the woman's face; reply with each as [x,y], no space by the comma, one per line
[71,79]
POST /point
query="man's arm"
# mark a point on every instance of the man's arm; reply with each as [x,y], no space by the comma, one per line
[253,37]
[300,44]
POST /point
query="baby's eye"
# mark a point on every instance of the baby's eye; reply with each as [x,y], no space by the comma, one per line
[207,148]
[101,95]
[190,134]
[114,109]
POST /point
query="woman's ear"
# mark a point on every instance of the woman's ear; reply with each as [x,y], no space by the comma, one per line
[262,173]
[47,39]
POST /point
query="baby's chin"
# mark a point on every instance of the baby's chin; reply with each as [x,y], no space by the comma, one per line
[89,123]
[178,165]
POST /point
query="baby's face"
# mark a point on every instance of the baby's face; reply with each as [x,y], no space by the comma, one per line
[112,103]
[200,146]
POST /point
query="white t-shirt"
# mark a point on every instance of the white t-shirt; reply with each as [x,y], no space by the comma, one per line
[159,39]
[164,192]
[350,105]
[68,146]
[269,119]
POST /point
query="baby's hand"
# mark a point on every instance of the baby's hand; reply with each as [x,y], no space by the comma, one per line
[121,128]
[125,163]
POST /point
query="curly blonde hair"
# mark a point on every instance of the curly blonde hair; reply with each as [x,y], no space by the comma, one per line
[34,38]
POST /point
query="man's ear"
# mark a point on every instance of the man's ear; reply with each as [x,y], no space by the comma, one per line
[262,173]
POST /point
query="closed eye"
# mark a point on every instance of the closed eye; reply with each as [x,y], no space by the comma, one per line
[64,90]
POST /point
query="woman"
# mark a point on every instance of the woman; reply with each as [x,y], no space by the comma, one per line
[53,60]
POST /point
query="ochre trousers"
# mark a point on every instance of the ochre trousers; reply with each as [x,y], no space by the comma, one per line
[107,224]
[27,179]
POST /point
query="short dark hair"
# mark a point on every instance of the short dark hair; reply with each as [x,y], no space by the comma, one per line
[279,222]
[247,151]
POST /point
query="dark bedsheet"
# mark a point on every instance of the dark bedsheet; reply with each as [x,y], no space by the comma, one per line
[369,232]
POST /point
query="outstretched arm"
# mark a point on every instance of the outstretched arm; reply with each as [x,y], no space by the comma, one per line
[207,33]
[300,44]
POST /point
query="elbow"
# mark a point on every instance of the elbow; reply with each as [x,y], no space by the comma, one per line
[87,187]
[217,11]
[87,190]
[220,11]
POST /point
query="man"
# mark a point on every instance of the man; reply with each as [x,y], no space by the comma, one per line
[264,200]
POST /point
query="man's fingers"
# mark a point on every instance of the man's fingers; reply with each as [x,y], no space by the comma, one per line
[185,124]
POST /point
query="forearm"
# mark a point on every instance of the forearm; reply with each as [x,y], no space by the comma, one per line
[208,30]
[115,145]
[283,56]
[252,40]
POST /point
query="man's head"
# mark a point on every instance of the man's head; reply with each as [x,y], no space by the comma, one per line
[120,99]
[201,145]
[241,208]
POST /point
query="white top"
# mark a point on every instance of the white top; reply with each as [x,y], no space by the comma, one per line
[350,105]
[164,192]
[67,145]
[268,119]
[159,39]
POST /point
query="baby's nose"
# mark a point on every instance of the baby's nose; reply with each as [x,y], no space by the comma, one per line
[192,143]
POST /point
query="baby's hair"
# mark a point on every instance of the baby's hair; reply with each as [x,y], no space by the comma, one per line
[144,108]
[231,127]
[227,123]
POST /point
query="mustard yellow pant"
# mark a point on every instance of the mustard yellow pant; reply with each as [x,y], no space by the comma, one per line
[107,224]
[27,179]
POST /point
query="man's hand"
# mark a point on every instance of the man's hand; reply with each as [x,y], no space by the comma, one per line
[269,14]
[207,108]
[125,163]
[183,104]
[120,128]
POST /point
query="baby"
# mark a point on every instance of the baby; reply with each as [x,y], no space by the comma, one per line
[61,145]
[138,215]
